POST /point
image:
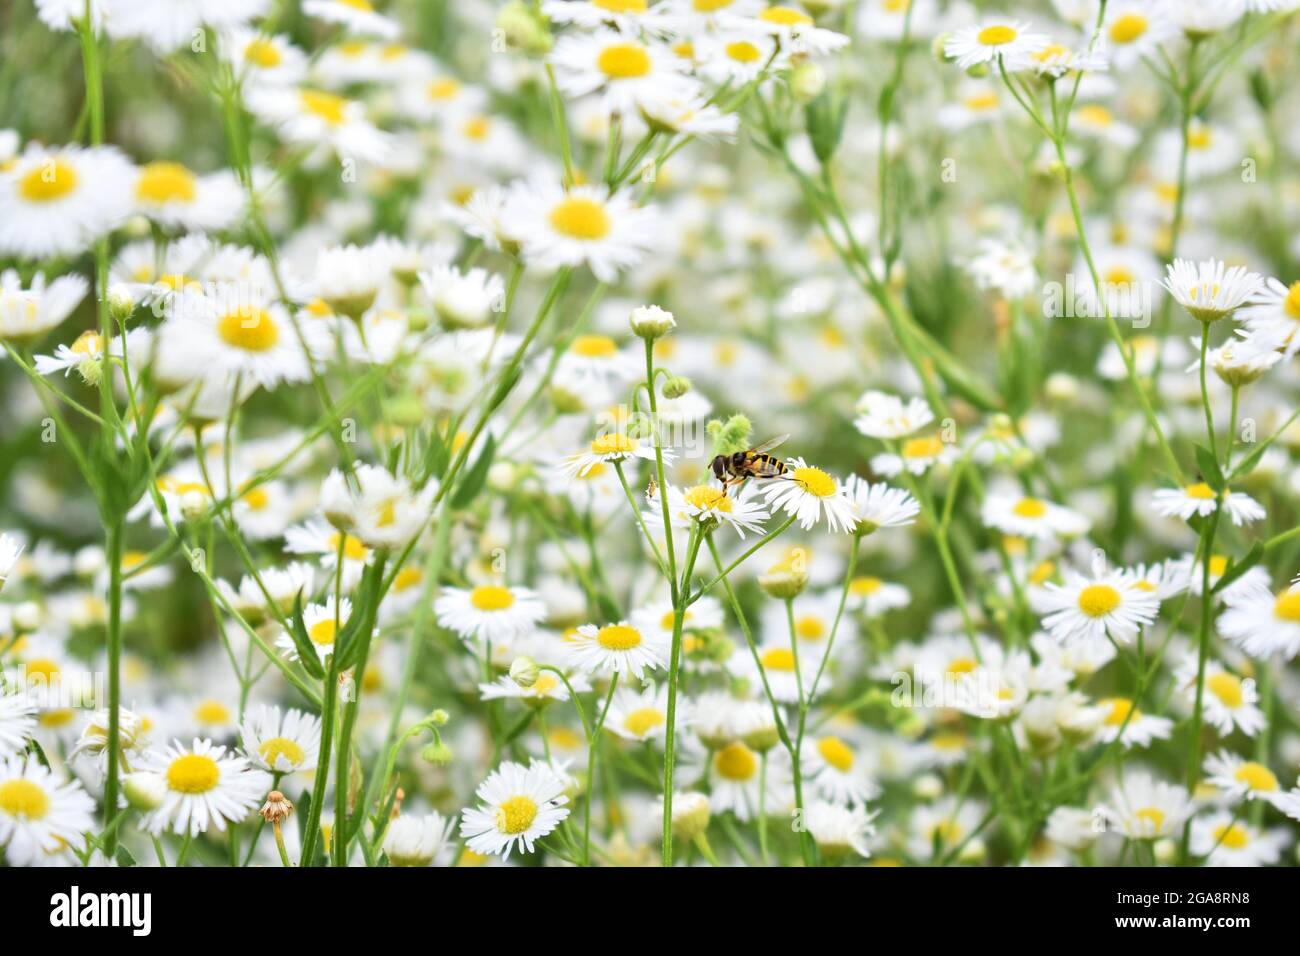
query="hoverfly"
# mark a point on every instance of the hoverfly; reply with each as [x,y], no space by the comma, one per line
[733,470]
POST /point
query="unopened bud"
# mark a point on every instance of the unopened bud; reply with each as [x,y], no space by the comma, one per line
[676,386]
[437,753]
[690,815]
[807,81]
[651,322]
[784,580]
[27,616]
[144,791]
[524,671]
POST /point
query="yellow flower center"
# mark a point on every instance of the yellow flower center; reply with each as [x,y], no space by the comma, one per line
[476,127]
[948,831]
[1227,688]
[257,499]
[51,181]
[735,762]
[981,101]
[164,182]
[323,632]
[363,5]
[863,587]
[212,712]
[1098,600]
[1120,708]
[929,447]
[328,106]
[353,549]
[641,722]
[961,665]
[618,637]
[1218,564]
[277,747]
[778,659]
[88,343]
[1256,776]
[1042,572]
[621,6]
[43,667]
[594,346]
[22,798]
[785,16]
[443,88]
[262,53]
[1153,816]
[193,773]
[743,51]
[406,578]
[491,597]
[1287,607]
[1095,115]
[1128,27]
[516,815]
[1200,138]
[580,218]
[810,628]
[814,481]
[1199,490]
[613,443]
[1030,508]
[1292,301]
[1233,836]
[711,6]
[708,499]
[1119,275]
[997,35]
[836,753]
[249,329]
[624,61]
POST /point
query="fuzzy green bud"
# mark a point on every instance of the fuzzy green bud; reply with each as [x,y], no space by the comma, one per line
[730,436]
[525,28]
[675,386]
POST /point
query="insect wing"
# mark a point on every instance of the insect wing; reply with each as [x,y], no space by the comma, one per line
[769,444]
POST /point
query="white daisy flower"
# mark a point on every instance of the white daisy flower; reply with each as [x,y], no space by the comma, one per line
[1209,290]
[1272,317]
[1005,266]
[1239,362]
[380,509]
[736,56]
[879,505]
[203,788]
[778,662]
[259,58]
[608,448]
[873,597]
[838,772]
[1056,60]
[643,715]
[584,224]
[319,538]
[1139,729]
[617,648]
[358,16]
[492,613]
[1203,18]
[629,16]
[881,415]
[796,30]
[735,783]
[27,314]
[619,66]
[39,815]
[709,506]
[687,112]
[418,840]
[1148,809]
[322,623]
[17,720]
[172,195]
[546,688]
[518,806]
[916,456]
[1200,499]
[1227,841]
[83,354]
[1030,517]
[1084,608]
[939,828]
[810,495]
[1229,703]
[1134,29]
[11,550]
[312,117]
[839,830]
[238,331]
[1011,41]
[282,741]
[166,25]
[1242,779]
[464,300]
[1261,623]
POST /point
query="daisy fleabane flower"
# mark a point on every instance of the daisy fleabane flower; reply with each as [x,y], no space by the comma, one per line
[617,648]
[879,505]
[1090,608]
[1229,702]
[203,787]
[583,224]
[1242,779]
[357,16]
[1209,290]
[707,505]
[518,806]
[811,494]
[1028,517]
[610,447]
[38,814]
[881,415]
[1200,499]
[56,201]
[1147,809]
[10,551]
[489,612]
[17,720]
[619,66]
[27,314]
[1261,623]
[1226,840]
[281,741]
[417,840]
[1011,41]
[795,29]
[1272,316]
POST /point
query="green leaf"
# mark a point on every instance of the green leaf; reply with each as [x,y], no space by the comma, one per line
[476,477]
[123,856]
[1248,464]
[302,642]
[1209,467]
[436,456]
[1240,567]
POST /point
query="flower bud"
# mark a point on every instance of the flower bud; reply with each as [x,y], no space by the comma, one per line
[784,580]
[27,616]
[807,81]
[144,791]
[676,386]
[927,787]
[524,671]
[525,29]
[690,815]
[651,322]
[437,753]
[194,505]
